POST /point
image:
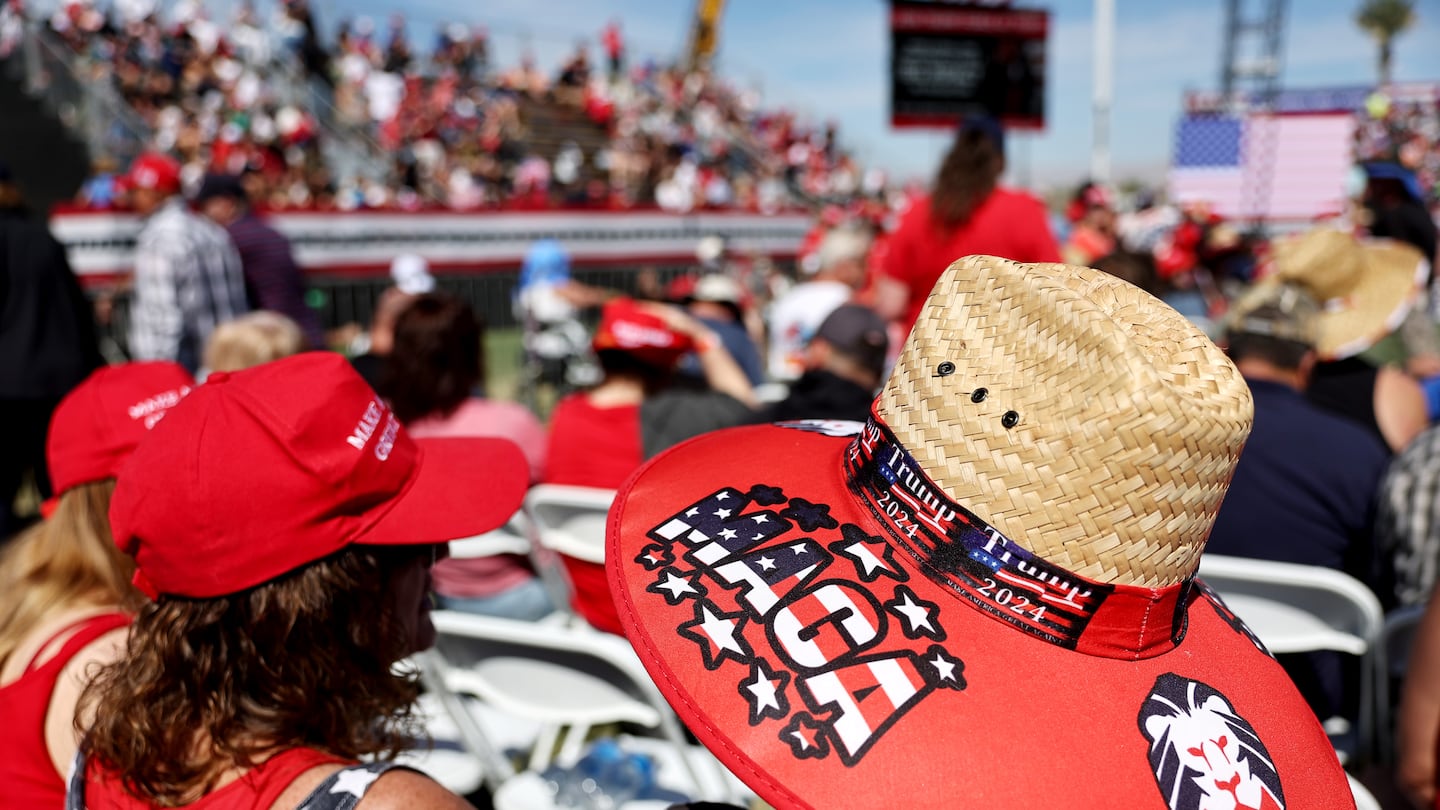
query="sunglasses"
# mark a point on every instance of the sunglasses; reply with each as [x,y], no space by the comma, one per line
[428,553]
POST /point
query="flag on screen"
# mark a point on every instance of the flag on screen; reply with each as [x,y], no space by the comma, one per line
[1285,167]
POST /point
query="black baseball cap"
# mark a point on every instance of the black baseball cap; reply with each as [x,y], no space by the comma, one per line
[859,333]
[220,185]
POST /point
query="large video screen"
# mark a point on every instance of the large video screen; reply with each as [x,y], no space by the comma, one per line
[949,61]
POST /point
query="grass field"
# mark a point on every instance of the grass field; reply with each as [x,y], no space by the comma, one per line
[502,363]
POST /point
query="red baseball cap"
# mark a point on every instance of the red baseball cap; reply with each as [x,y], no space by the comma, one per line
[985,595]
[152,170]
[98,424]
[263,470]
[626,326]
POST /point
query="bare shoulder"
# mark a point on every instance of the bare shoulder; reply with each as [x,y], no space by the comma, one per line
[103,650]
[60,718]
[404,789]
[1400,406]
[1395,379]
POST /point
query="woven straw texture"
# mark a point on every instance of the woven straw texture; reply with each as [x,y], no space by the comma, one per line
[1364,288]
[1127,420]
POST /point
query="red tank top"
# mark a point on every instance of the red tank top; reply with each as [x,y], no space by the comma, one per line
[256,790]
[28,775]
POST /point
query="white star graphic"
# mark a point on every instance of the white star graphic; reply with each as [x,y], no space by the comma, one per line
[865,557]
[758,536]
[354,781]
[804,743]
[761,519]
[692,511]
[944,666]
[917,615]
[722,513]
[721,631]
[728,534]
[722,496]
[800,548]
[653,556]
[676,585]
[766,563]
[764,691]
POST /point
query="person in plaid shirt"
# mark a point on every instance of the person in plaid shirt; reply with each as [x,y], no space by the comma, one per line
[188,277]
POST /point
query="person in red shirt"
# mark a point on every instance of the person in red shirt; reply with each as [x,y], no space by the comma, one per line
[1092,233]
[600,436]
[967,213]
[614,48]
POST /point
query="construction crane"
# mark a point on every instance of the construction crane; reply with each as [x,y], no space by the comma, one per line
[704,33]
[1250,62]
[1251,54]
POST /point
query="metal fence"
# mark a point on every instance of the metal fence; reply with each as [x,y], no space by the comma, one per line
[341,301]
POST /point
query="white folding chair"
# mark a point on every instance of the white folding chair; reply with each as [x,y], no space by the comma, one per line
[1401,625]
[570,520]
[461,755]
[517,537]
[569,679]
[1364,799]
[1301,608]
[512,538]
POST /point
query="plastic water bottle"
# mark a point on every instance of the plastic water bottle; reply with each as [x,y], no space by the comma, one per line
[605,778]
[630,776]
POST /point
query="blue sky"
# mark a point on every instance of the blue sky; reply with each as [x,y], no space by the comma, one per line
[829,59]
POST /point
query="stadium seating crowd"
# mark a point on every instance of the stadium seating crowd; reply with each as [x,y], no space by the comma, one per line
[458,132]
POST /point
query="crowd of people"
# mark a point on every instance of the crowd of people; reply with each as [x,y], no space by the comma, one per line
[1328,476]
[1403,132]
[1014,416]
[264,97]
[211,93]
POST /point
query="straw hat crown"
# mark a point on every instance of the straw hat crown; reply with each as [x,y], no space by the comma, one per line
[1079,416]
[1327,261]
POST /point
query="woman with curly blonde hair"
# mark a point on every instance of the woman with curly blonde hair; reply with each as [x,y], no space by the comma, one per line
[65,592]
[283,524]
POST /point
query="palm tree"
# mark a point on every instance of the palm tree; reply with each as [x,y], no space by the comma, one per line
[1385,20]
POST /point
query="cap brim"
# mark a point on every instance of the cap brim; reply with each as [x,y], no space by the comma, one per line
[863,676]
[463,487]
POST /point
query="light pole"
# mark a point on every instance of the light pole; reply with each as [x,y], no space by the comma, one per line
[1102,90]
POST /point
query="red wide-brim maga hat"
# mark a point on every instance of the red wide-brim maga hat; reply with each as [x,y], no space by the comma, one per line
[840,633]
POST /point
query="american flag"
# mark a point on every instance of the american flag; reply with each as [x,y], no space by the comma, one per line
[1277,167]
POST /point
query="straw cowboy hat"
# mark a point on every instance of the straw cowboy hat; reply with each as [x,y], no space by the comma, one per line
[1365,288]
[984,596]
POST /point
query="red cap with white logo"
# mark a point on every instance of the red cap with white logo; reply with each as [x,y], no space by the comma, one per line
[99,423]
[267,469]
[153,171]
[626,326]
